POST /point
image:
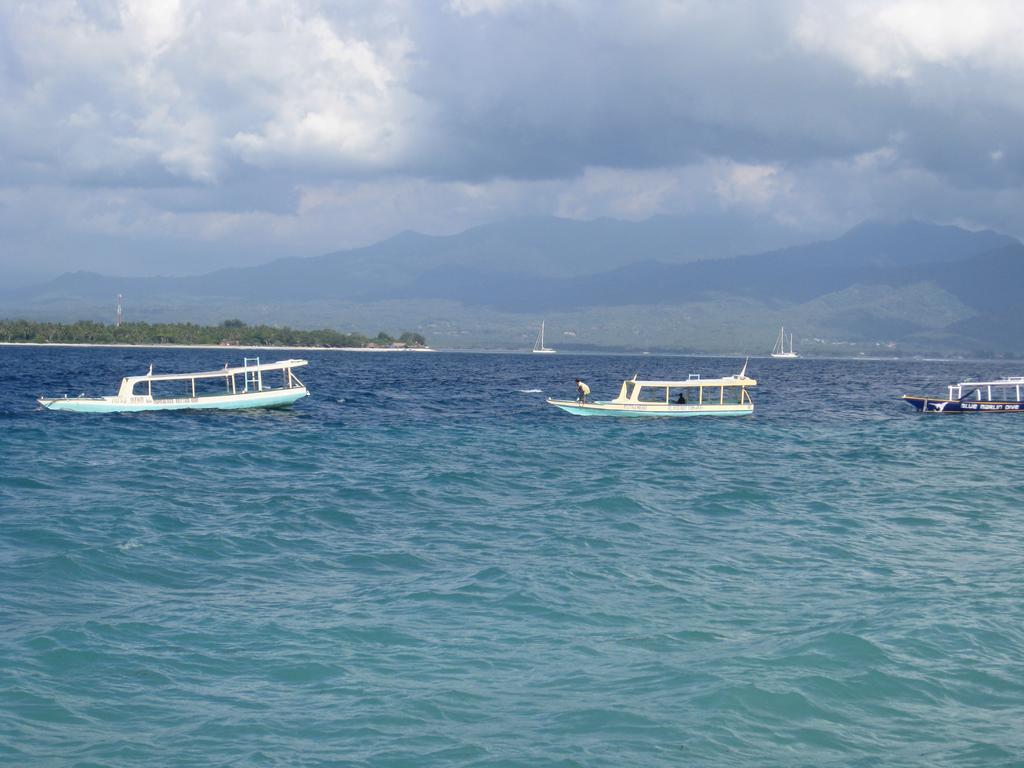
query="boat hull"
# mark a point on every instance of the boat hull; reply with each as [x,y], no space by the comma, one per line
[266,399]
[600,408]
[926,404]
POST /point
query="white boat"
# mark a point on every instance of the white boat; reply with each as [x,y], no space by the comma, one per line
[245,386]
[779,350]
[693,396]
[538,346]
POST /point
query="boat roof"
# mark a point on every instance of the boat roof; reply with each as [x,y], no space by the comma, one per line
[1010,381]
[219,373]
[696,381]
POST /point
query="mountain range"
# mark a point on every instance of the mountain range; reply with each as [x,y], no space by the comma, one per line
[908,286]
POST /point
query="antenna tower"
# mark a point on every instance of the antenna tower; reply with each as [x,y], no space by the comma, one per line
[119,317]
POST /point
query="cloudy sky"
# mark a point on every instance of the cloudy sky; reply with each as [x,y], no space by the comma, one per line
[173,136]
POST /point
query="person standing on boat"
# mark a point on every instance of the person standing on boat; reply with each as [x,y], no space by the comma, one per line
[582,391]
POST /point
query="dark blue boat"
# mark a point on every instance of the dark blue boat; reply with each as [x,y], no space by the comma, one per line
[997,396]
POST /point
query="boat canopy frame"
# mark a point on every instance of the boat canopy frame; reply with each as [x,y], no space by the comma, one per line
[631,389]
[252,375]
[965,389]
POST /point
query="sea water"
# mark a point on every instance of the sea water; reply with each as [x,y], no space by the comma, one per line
[423,564]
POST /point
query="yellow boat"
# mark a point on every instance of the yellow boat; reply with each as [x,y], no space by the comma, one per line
[693,396]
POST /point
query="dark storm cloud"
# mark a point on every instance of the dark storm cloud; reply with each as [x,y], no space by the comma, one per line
[552,91]
[546,91]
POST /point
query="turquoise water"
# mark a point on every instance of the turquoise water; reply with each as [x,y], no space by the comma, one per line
[422,564]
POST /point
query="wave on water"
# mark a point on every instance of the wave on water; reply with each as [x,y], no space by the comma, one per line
[442,575]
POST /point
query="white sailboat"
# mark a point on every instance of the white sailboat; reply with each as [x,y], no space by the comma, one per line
[538,347]
[779,350]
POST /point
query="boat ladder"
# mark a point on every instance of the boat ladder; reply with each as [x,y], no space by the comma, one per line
[253,377]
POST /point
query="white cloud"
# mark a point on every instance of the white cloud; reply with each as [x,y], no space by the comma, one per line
[739,183]
[328,97]
[191,87]
[885,40]
[474,7]
[620,193]
[152,25]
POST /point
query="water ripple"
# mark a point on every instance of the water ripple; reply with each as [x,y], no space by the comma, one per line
[405,571]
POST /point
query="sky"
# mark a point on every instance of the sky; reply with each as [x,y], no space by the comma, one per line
[177,136]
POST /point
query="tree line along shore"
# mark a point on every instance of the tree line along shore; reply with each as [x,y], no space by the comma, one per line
[229,333]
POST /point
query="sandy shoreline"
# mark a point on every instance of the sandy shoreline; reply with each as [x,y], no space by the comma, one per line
[208,346]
